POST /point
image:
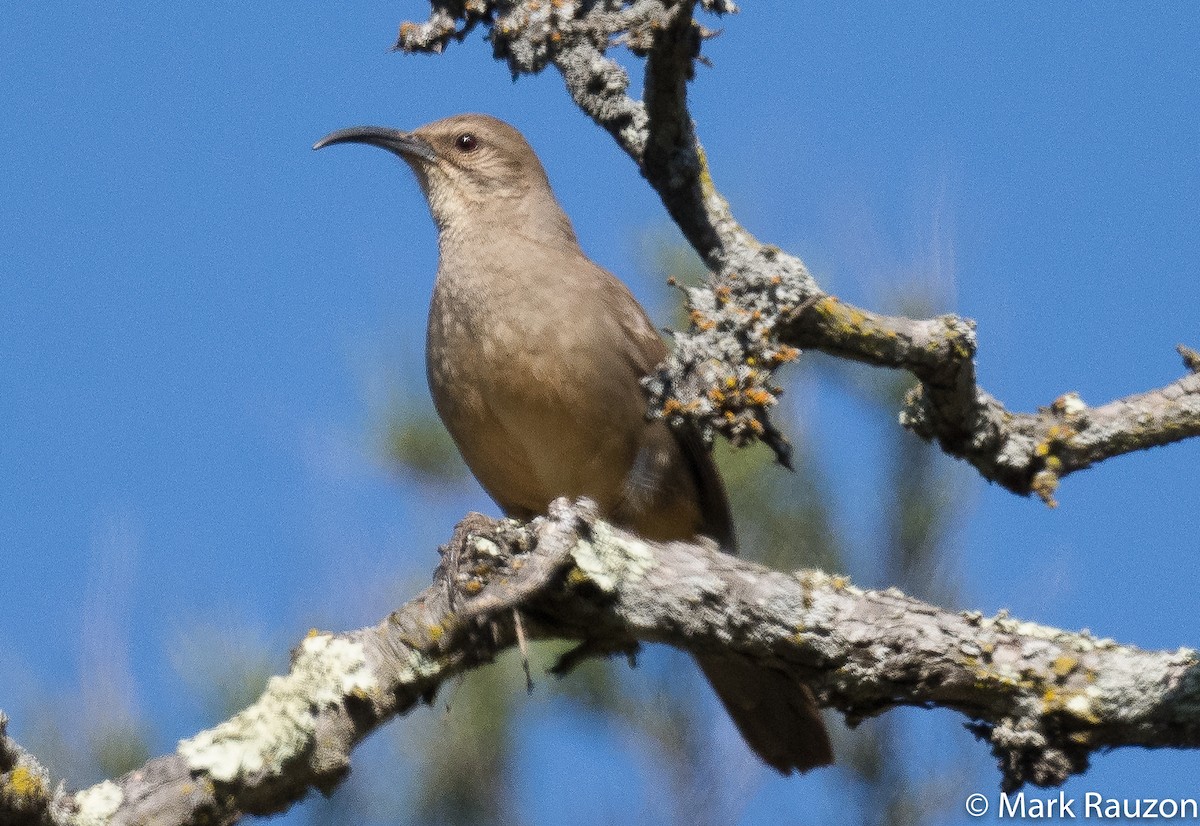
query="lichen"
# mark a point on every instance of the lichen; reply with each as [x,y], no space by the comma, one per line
[486,546]
[1063,665]
[813,580]
[1077,704]
[1044,484]
[606,560]
[281,723]
[97,805]
[24,783]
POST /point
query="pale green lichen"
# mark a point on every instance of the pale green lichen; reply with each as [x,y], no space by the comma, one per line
[1184,656]
[607,559]
[1078,704]
[1081,706]
[1022,628]
[416,666]
[280,724]
[994,675]
[486,546]
[97,805]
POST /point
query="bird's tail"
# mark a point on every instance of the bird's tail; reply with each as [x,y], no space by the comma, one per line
[776,715]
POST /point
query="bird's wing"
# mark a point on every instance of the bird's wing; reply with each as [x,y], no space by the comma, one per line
[644,351]
[716,519]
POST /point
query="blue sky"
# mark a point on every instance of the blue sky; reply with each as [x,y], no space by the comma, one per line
[201,320]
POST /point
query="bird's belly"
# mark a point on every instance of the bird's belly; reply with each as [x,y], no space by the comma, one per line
[532,431]
[572,456]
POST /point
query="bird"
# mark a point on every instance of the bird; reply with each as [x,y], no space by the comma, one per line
[534,358]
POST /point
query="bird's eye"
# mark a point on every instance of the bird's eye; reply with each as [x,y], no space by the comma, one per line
[466,142]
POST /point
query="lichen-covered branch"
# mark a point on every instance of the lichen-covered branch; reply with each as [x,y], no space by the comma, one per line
[299,734]
[24,783]
[763,303]
[1044,699]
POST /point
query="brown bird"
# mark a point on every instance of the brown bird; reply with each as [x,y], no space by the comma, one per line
[535,357]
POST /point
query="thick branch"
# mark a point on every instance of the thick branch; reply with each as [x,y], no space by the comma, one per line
[1045,699]
[764,303]
[298,735]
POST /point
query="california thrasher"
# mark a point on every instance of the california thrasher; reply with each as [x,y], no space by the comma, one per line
[534,356]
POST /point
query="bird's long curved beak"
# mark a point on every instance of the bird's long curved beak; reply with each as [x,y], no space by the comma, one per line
[404,144]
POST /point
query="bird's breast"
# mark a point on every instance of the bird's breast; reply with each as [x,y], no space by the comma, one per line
[536,408]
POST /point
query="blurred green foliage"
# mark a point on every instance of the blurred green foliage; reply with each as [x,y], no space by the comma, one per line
[418,445]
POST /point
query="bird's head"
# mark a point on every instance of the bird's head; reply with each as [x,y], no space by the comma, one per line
[468,166]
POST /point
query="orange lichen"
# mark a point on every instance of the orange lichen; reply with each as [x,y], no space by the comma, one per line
[757,395]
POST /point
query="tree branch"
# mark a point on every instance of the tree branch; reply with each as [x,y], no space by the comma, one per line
[1044,699]
[763,303]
